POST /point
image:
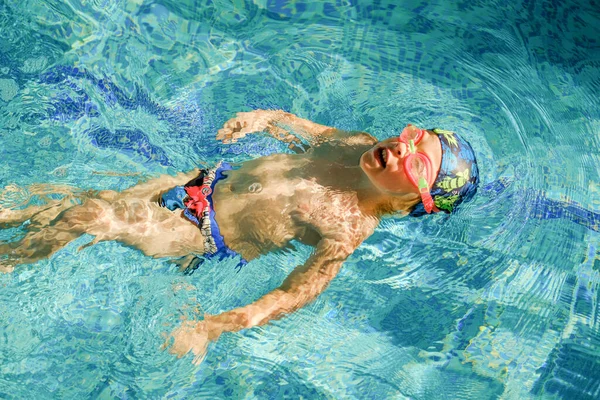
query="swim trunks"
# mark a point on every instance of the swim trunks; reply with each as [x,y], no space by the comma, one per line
[195,198]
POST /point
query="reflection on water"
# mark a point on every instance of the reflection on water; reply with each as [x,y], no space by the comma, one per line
[497,300]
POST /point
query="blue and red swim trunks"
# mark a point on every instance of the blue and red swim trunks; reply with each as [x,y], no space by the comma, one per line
[195,199]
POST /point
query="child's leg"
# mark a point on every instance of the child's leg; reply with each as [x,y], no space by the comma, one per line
[139,223]
[12,218]
[43,215]
[150,228]
[39,215]
[151,189]
[132,217]
[41,242]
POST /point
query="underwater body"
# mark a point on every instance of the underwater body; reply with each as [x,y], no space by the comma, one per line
[498,300]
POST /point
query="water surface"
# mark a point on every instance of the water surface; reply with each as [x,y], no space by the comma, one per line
[496,301]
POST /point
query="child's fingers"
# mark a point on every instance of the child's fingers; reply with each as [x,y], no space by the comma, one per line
[199,356]
[231,124]
[180,341]
[189,336]
[225,135]
[244,115]
[243,124]
[222,133]
[167,341]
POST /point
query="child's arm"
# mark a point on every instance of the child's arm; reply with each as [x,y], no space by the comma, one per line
[301,287]
[283,126]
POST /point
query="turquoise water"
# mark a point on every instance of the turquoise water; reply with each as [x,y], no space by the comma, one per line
[497,301]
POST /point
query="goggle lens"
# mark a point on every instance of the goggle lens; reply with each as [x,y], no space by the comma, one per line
[417,167]
[409,133]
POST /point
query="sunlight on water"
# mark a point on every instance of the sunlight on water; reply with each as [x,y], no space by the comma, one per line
[496,301]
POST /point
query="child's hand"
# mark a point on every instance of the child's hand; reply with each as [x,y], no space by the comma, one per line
[254,121]
[194,336]
[244,123]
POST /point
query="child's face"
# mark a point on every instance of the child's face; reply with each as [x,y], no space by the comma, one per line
[384,163]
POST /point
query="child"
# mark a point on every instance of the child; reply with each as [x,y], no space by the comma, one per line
[330,196]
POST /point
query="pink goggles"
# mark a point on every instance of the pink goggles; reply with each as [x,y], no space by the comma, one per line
[417,166]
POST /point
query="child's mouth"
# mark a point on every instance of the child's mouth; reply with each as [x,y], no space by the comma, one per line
[381,155]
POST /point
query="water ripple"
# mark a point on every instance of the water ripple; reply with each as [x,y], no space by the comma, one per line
[497,300]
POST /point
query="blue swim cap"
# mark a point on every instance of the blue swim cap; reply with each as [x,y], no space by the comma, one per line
[458,177]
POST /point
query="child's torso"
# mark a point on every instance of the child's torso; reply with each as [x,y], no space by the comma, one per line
[272,200]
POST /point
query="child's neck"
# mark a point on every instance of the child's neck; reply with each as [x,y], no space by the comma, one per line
[377,203]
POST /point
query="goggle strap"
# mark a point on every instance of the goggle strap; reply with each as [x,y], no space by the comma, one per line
[411,146]
[428,203]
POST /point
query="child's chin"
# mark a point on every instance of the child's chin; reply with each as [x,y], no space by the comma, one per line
[363,165]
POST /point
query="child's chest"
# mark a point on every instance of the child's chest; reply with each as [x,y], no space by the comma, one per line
[262,209]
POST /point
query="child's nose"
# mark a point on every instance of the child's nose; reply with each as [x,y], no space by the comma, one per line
[401,149]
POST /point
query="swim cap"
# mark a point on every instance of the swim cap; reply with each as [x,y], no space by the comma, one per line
[458,177]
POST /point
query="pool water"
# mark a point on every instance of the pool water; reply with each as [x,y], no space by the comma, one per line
[499,300]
